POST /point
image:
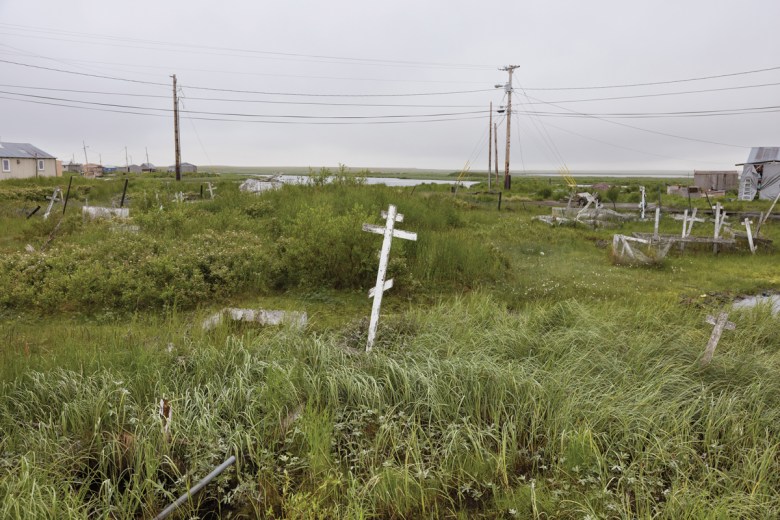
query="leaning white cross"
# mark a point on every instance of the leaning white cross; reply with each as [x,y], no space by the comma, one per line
[721,323]
[211,190]
[52,200]
[392,216]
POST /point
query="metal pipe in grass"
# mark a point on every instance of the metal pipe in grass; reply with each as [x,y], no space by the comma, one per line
[33,212]
[67,195]
[124,191]
[196,488]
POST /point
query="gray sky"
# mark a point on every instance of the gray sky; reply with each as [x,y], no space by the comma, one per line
[346,52]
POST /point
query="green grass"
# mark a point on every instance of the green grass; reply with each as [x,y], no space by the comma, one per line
[518,373]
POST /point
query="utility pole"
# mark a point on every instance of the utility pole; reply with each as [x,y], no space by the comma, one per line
[147,154]
[495,148]
[176,129]
[127,164]
[508,88]
[86,161]
[490,146]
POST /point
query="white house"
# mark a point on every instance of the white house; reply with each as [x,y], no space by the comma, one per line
[20,160]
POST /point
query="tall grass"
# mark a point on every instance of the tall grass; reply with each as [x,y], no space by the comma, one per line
[466,409]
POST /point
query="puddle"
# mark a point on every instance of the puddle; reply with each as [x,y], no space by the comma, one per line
[753,301]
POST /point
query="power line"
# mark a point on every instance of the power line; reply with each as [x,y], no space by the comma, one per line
[272,75]
[213,89]
[96,109]
[653,83]
[661,94]
[626,147]
[100,76]
[241,114]
[639,128]
[233,100]
[22,30]
[657,115]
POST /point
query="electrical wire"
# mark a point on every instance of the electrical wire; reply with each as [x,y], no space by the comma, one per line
[661,94]
[654,83]
[214,89]
[640,128]
[24,31]
[233,100]
[103,109]
[241,114]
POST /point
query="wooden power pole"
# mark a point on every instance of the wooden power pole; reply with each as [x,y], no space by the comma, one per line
[176,129]
[495,148]
[508,88]
[490,145]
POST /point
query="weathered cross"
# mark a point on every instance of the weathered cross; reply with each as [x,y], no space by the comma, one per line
[52,200]
[722,322]
[392,216]
[211,190]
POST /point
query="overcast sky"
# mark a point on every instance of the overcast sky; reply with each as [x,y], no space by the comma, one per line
[313,83]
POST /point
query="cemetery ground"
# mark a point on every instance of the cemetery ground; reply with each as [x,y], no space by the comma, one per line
[518,372]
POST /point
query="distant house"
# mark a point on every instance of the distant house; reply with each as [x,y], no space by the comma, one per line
[601,186]
[21,160]
[133,168]
[72,167]
[692,192]
[716,180]
[148,167]
[185,168]
[760,174]
[92,170]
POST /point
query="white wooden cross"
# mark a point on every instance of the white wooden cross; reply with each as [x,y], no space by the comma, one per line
[719,324]
[211,190]
[642,203]
[720,218]
[749,235]
[52,200]
[392,216]
[656,237]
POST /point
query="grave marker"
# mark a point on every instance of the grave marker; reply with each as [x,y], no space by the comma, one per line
[749,235]
[719,324]
[52,200]
[391,216]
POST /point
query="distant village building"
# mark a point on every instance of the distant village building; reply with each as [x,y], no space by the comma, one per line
[760,174]
[21,160]
[133,168]
[184,168]
[693,192]
[601,186]
[148,167]
[72,167]
[716,180]
[92,170]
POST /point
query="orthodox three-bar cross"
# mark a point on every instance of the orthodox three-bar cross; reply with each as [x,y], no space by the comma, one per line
[722,322]
[392,216]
